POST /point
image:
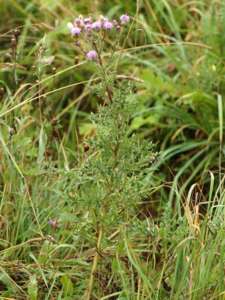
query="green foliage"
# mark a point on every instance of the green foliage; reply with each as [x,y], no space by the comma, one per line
[118,162]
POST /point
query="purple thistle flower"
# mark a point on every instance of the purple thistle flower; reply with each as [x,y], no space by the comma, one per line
[124,19]
[91,55]
[75,31]
[97,25]
[107,25]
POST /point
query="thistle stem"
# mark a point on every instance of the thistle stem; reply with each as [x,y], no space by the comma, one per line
[108,91]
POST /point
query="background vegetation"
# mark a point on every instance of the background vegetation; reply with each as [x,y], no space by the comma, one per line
[172,245]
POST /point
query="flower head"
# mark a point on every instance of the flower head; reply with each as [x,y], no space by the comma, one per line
[107,25]
[91,55]
[97,25]
[75,31]
[124,19]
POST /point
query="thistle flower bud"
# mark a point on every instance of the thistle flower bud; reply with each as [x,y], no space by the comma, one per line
[88,27]
[79,22]
[116,25]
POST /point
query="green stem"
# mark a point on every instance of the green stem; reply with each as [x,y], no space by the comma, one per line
[108,91]
[94,266]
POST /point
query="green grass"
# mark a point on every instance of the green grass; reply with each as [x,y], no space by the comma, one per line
[172,247]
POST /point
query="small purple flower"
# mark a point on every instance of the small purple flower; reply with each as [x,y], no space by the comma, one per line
[124,19]
[107,25]
[75,31]
[91,55]
[97,25]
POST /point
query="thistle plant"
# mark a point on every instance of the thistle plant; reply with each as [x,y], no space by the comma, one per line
[93,36]
[115,173]
[76,214]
